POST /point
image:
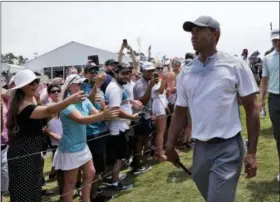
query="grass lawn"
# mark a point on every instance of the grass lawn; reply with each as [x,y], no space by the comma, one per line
[166,183]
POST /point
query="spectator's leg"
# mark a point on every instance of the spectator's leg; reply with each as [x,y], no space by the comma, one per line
[88,175]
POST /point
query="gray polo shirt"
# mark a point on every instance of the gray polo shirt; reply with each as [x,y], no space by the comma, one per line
[139,91]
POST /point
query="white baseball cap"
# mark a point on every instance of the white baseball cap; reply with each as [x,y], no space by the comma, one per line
[74,78]
[23,78]
[148,66]
[275,34]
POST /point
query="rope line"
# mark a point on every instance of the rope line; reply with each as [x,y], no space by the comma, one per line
[50,149]
[107,174]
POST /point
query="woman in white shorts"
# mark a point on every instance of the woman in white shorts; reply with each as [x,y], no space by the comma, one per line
[159,108]
[73,152]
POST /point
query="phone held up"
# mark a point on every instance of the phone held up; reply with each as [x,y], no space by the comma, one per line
[125,41]
[156,76]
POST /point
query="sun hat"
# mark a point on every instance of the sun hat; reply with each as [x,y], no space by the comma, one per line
[12,80]
[23,78]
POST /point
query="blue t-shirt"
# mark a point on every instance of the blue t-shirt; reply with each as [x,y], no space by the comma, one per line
[106,82]
[74,134]
[96,127]
[86,87]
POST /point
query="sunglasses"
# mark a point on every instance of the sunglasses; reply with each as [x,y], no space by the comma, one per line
[37,81]
[55,91]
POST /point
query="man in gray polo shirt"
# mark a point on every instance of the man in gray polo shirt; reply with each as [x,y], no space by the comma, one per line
[208,88]
[270,82]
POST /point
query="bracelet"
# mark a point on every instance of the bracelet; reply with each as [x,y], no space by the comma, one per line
[252,155]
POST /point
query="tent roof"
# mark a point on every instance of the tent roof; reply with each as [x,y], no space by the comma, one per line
[11,67]
[70,54]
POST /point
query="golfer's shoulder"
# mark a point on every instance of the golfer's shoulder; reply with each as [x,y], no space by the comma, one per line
[231,61]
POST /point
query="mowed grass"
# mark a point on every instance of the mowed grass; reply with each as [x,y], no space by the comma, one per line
[165,183]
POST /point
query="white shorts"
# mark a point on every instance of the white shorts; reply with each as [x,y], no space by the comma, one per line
[69,161]
[4,171]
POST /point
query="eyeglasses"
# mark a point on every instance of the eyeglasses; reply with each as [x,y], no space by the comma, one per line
[55,91]
[37,81]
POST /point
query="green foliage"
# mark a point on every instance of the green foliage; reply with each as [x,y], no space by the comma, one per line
[10,58]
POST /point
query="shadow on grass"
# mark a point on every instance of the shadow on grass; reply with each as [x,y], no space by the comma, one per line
[267,132]
[262,190]
[178,176]
[130,179]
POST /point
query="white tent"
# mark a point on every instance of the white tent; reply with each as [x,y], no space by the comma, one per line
[11,68]
[70,54]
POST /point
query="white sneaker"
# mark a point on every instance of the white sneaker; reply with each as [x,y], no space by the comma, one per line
[278,178]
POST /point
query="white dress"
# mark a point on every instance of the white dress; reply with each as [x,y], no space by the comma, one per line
[159,101]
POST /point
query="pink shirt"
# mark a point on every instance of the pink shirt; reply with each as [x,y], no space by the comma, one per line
[4,136]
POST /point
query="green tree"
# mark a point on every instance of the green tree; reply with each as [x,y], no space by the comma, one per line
[21,60]
[10,58]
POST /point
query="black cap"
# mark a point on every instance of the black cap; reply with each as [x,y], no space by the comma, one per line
[123,67]
[91,67]
[111,62]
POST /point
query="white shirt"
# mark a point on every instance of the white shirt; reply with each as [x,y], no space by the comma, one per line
[210,91]
[55,126]
[129,88]
[155,95]
[117,97]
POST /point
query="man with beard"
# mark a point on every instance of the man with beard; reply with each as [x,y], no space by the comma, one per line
[117,144]
[109,67]
[209,88]
[142,92]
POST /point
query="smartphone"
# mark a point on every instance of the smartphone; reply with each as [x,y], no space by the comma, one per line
[141,114]
[156,76]
[125,41]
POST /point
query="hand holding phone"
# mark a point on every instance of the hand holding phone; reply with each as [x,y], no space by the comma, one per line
[156,76]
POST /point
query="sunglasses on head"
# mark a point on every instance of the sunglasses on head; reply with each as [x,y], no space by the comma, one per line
[37,81]
[55,91]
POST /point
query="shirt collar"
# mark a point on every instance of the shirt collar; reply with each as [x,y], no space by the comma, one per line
[209,59]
